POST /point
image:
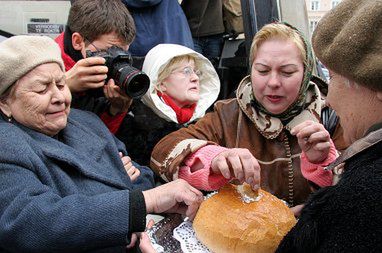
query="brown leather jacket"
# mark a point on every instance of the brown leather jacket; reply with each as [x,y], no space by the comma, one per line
[234,124]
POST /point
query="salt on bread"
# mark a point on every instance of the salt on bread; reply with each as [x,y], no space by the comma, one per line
[225,223]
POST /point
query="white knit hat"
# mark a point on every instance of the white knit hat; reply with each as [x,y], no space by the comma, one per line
[20,54]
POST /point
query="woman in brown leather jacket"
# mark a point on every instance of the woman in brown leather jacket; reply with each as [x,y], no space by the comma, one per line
[253,129]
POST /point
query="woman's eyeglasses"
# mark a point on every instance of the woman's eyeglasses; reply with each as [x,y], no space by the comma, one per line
[188,71]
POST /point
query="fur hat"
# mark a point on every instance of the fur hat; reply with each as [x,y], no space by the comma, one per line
[348,40]
[20,54]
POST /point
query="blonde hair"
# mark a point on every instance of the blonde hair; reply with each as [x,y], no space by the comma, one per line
[167,69]
[278,31]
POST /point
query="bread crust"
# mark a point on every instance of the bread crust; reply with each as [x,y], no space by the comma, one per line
[224,223]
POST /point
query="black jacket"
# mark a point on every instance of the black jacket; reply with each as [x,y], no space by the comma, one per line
[141,130]
[346,217]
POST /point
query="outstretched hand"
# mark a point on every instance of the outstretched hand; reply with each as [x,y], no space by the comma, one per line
[313,139]
[173,197]
[238,163]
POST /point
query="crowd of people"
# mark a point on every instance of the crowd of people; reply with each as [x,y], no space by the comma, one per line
[82,163]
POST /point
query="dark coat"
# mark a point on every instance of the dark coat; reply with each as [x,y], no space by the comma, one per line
[156,22]
[142,129]
[346,217]
[205,18]
[67,193]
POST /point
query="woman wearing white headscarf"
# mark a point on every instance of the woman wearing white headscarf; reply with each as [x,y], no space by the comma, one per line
[183,85]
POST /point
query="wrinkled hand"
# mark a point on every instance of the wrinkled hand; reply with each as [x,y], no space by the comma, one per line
[131,170]
[145,244]
[88,73]
[313,139]
[119,101]
[173,197]
[238,163]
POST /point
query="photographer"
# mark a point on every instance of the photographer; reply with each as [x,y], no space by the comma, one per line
[96,25]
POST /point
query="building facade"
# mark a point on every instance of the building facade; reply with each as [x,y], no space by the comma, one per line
[317,9]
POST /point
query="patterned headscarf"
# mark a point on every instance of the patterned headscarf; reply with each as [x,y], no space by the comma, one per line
[300,103]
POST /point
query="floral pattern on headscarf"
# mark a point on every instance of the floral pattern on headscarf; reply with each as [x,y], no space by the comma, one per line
[269,126]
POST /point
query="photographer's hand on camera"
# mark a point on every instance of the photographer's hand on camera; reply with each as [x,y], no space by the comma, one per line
[119,101]
[88,73]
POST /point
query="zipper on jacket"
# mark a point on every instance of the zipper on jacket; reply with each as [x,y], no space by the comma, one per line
[290,199]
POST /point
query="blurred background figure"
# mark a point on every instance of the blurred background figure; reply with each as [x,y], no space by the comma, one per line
[205,19]
[158,21]
[183,86]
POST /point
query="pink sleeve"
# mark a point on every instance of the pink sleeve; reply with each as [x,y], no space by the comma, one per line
[316,172]
[197,169]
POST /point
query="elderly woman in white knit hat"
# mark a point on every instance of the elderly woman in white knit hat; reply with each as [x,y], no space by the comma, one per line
[347,217]
[63,186]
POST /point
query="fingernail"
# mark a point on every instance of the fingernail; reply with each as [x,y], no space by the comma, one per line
[250,180]
[240,176]
[255,187]
[227,175]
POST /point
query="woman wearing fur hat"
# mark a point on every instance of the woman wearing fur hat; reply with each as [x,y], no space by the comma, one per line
[253,129]
[347,217]
[64,187]
[183,85]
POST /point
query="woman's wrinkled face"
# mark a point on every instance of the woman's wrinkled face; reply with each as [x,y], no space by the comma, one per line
[277,73]
[40,100]
[352,104]
[182,85]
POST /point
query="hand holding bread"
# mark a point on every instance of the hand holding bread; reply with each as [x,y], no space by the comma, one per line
[238,163]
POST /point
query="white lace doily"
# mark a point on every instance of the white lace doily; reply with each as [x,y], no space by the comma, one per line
[185,234]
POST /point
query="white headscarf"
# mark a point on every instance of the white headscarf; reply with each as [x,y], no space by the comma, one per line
[209,82]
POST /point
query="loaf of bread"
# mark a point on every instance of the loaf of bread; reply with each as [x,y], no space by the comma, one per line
[226,223]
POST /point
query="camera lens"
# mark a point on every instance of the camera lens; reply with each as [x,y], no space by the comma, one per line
[132,81]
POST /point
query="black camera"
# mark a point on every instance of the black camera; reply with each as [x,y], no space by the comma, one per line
[132,81]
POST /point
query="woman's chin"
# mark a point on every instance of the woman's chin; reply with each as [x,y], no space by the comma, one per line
[275,110]
[193,99]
